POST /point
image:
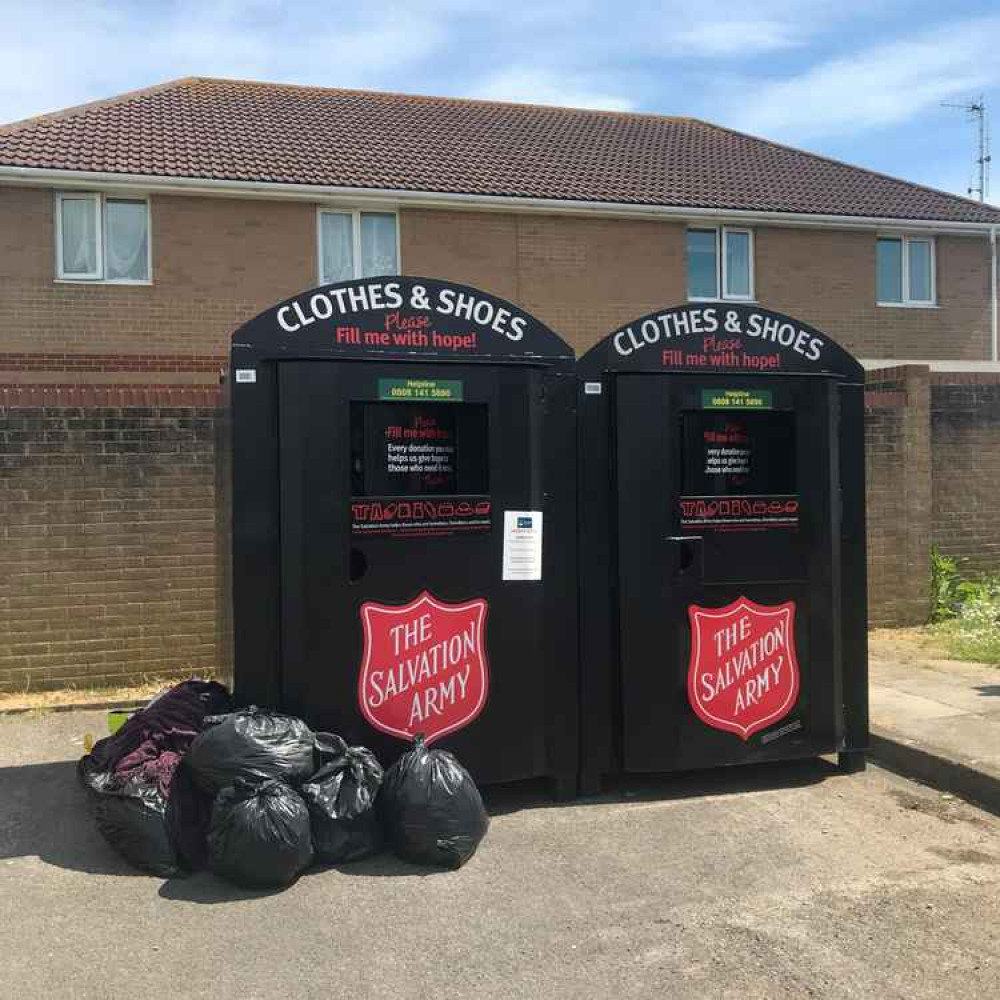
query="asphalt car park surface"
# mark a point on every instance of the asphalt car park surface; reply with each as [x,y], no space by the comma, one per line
[788,880]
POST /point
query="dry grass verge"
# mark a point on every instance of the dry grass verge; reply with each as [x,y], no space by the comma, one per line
[73,696]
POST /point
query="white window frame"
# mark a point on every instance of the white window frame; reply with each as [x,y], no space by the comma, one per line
[100,201]
[721,232]
[906,239]
[355,213]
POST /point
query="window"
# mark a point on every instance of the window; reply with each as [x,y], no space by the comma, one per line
[710,271]
[102,238]
[357,245]
[904,271]
[419,449]
[738,454]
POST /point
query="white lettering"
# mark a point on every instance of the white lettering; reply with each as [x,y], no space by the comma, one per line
[283,322]
[617,341]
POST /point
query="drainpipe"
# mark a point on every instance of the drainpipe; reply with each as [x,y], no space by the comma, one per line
[995,344]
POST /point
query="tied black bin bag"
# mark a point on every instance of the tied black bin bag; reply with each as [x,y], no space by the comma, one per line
[133,821]
[341,801]
[431,810]
[253,745]
[259,836]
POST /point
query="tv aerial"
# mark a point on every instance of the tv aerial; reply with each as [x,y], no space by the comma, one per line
[976,111]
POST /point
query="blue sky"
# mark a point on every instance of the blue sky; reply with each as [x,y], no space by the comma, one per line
[860,80]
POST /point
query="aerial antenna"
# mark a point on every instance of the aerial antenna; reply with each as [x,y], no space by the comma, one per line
[976,110]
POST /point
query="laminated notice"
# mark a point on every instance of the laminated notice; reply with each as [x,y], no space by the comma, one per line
[522,545]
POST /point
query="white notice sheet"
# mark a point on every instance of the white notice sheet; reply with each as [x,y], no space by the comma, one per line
[522,545]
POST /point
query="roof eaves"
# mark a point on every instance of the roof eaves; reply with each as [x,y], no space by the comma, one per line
[444,198]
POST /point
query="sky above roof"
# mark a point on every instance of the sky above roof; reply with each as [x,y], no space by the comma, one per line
[860,80]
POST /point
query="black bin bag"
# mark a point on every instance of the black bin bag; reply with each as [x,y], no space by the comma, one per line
[253,745]
[341,799]
[259,836]
[133,821]
[430,808]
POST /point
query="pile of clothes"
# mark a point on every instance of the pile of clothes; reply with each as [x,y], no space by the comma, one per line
[257,797]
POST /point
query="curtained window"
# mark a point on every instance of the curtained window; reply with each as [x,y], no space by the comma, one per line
[720,263]
[127,240]
[336,238]
[357,245]
[102,239]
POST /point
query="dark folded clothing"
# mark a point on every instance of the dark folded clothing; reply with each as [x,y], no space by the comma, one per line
[168,724]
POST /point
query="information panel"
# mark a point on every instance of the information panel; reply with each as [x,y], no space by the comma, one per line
[738,468]
[419,468]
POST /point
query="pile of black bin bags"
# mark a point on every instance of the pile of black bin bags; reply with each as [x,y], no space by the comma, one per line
[257,797]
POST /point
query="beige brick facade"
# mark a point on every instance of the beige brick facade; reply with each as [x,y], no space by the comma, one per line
[218,261]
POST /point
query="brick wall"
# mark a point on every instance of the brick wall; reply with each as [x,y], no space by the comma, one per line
[933,463]
[107,536]
[828,279]
[965,451]
[218,261]
[581,276]
[898,484]
[586,276]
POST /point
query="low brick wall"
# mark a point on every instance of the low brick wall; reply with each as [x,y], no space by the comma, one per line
[107,551]
[898,482]
[109,537]
[965,455]
[933,463]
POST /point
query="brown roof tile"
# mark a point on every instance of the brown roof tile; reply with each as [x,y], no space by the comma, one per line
[235,130]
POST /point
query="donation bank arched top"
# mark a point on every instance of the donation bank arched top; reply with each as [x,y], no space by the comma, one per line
[720,337]
[403,318]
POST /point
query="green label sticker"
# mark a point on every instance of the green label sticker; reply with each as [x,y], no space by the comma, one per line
[736,399]
[438,390]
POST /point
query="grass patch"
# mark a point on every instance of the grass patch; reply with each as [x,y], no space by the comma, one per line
[973,633]
[965,614]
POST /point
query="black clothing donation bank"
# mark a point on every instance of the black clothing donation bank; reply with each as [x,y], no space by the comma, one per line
[404,523]
[722,555]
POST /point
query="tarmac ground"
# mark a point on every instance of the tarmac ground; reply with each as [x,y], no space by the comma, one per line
[789,880]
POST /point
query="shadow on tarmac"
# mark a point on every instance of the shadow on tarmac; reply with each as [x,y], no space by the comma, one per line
[204,887]
[503,799]
[46,813]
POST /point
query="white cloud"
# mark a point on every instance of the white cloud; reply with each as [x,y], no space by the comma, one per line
[879,86]
[62,53]
[544,87]
[718,39]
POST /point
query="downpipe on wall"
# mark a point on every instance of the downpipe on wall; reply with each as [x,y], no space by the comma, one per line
[995,340]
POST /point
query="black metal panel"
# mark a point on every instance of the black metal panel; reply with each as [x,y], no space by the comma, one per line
[636,596]
[255,506]
[600,697]
[854,563]
[560,661]
[304,566]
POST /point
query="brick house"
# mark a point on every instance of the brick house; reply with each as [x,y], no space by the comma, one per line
[137,233]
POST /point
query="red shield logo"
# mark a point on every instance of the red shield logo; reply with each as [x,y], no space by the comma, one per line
[743,675]
[424,668]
